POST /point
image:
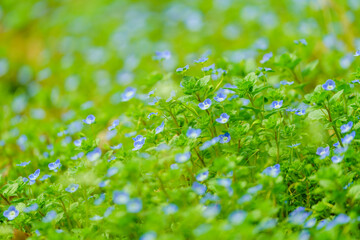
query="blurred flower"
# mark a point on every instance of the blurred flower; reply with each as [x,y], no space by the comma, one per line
[346,127]
[193,133]
[211,211]
[114,125]
[182,157]
[49,216]
[170,209]
[160,128]
[139,141]
[199,188]
[237,217]
[201,60]
[116,146]
[266,57]
[134,205]
[31,208]
[151,235]
[337,159]
[120,197]
[202,176]
[23,164]
[94,154]
[72,188]
[46,176]
[128,94]
[220,97]
[277,104]
[298,216]
[183,69]
[165,55]
[272,171]
[112,171]
[89,119]
[348,138]
[34,176]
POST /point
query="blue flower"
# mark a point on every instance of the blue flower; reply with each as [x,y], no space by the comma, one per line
[211,67]
[31,208]
[150,114]
[277,104]
[182,157]
[151,235]
[346,127]
[237,217]
[202,176]
[128,94]
[96,218]
[302,41]
[89,119]
[23,164]
[174,166]
[49,216]
[209,143]
[99,200]
[79,141]
[134,205]
[120,197]
[310,223]
[223,118]
[220,97]
[322,224]
[108,211]
[329,85]
[225,138]
[116,146]
[199,188]
[245,198]
[170,209]
[205,105]
[338,220]
[284,82]
[193,133]
[183,69]
[255,189]
[72,188]
[357,53]
[272,171]
[11,213]
[165,55]
[34,176]
[114,125]
[201,60]
[112,171]
[294,145]
[298,216]
[266,57]
[160,128]
[211,211]
[348,138]
[337,159]
[46,176]
[139,141]
[94,154]
[300,112]
[323,152]
[104,183]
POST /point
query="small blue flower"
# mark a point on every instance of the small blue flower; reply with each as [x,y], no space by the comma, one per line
[23,164]
[108,211]
[170,209]
[114,125]
[202,176]
[205,105]
[31,208]
[266,57]
[225,138]
[211,211]
[284,82]
[174,166]
[337,159]
[199,188]
[348,138]
[255,189]
[120,197]
[310,223]
[245,198]
[89,119]
[183,69]
[134,205]
[193,133]
[49,216]
[94,154]
[11,213]
[209,143]
[211,67]
[220,97]
[272,171]
[151,235]
[322,224]
[302,41]
[96,218]
[160,128]
[165,55]
[182,157]
[237,217]
[346,127]
[300,112]
[99,200]
[357,53]
[299,216]
[34,176]
[79,141]
[329,85]
[46,176]
[294,145]
[116,146]
[112,171]
[104,183]
[223,118]
[150,114]
[72,188]
[323,152]
[201,60]
[128,94]
[277,104]
[139,141]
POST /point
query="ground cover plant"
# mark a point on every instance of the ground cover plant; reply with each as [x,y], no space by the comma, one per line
[149,120]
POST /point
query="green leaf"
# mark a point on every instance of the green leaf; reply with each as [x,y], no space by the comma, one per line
[316,115]
[336,96]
